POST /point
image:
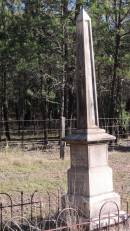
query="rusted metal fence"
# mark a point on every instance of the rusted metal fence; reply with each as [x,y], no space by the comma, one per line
[38,212]
[34,208]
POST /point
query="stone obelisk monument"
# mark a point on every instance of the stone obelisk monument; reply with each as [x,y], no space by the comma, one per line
[90,182]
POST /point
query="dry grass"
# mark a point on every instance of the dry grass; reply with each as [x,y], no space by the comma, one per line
[29,171]
[44,171]
[120,163]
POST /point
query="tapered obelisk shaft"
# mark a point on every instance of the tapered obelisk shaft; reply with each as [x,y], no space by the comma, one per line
[90,182]
[87,112]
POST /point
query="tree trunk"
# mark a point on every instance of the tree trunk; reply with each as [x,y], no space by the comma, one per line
[17,118]
[64,76]
[114,85]
[45,124]
[44,110]
[5,105]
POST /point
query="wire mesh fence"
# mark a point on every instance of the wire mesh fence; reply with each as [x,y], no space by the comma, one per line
[42,132]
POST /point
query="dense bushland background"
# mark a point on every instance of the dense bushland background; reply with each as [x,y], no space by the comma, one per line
[37,58]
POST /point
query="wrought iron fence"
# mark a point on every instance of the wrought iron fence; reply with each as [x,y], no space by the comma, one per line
[33,208]
[38,212]
[111,222]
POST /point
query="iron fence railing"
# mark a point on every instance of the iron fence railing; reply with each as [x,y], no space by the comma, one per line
[38,212]
[33,207]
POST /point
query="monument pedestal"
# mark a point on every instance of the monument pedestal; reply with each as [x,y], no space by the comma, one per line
[89,207]
[90,182]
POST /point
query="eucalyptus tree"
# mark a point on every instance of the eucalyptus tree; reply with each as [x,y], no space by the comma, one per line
[111,20]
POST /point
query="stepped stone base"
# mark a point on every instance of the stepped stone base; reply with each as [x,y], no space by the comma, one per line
[112,222]
[90,207]
[98,211]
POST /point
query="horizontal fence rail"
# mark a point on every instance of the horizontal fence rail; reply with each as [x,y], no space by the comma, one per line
[42,132]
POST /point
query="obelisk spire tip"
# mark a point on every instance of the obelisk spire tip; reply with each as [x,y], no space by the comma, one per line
[83,15]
